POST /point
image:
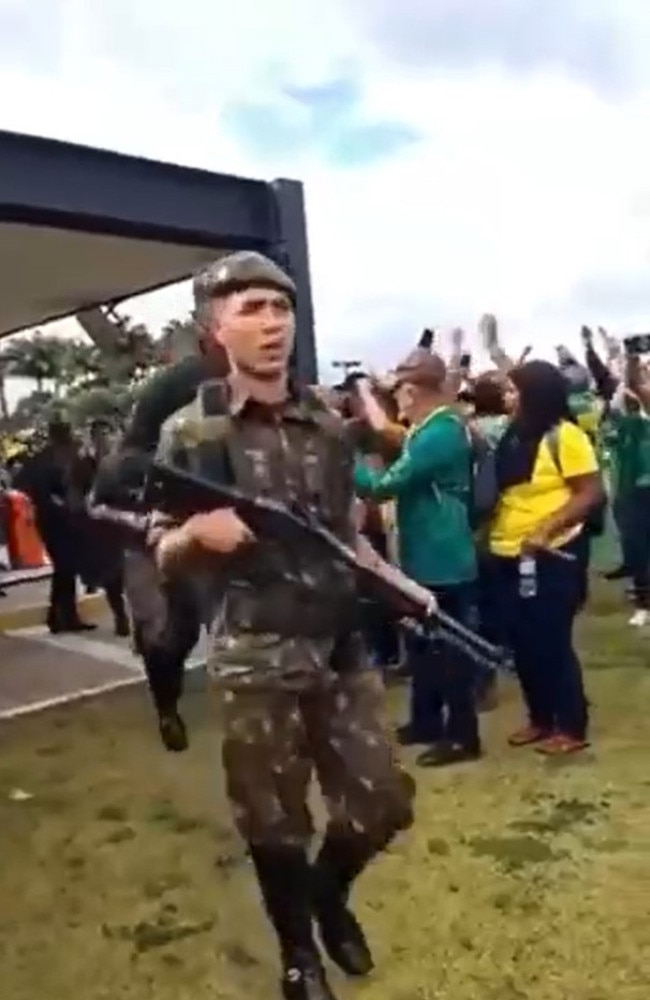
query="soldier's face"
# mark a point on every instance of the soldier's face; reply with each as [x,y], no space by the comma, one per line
[256,327]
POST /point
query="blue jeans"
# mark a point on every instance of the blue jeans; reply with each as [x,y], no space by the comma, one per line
[443,702]
[538,630]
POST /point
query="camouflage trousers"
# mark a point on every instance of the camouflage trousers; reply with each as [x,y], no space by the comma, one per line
[276,739]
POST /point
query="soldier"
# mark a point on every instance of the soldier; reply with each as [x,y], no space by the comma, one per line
[166,621]
[294,689]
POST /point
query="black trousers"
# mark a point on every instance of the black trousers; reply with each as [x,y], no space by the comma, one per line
[638,523]
[443,681]
[164,661]
[63,595]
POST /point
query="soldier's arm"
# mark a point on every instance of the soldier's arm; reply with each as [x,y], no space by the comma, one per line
[204,540]
[173,546]
[168,391]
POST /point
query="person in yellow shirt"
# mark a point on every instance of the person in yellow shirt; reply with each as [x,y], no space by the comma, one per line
[549,481]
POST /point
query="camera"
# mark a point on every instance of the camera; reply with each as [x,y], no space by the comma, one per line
[636,344]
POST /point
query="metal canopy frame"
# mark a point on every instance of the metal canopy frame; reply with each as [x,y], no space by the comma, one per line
[50,187]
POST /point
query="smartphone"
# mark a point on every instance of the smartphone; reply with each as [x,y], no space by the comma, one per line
[636,344]
[466,361]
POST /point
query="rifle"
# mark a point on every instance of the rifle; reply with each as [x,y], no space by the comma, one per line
[180,494]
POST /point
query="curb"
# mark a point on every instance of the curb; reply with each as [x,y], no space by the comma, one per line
[193,669]
[32,615]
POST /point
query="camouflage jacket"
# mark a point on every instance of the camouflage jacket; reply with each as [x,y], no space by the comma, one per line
[273,609]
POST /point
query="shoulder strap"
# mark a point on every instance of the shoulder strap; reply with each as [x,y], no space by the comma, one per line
[213,397]
[553,444]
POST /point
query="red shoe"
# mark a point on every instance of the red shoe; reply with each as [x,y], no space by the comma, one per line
[528,735]
[560,745]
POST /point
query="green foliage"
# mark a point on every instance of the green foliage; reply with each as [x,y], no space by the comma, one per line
[78,379]
[36,406]
[178,339]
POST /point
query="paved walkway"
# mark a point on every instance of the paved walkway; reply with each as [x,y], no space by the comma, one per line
[39,670]
[16,578]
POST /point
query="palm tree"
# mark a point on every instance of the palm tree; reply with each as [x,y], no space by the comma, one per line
[54,364]
[38,357]
[125,348]
[82,365]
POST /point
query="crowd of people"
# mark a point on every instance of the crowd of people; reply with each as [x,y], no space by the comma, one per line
[487,489]
[496,487]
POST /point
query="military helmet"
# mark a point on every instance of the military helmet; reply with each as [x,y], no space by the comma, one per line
[238,271]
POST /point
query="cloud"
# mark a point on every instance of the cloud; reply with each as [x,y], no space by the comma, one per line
[22,30]
[592,41]
[491,176]
[326,118]
[330,101]
[616,299]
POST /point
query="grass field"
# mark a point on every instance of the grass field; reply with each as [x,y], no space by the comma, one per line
[121,878]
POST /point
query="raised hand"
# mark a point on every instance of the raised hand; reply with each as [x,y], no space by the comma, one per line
[489,331]
[457,340]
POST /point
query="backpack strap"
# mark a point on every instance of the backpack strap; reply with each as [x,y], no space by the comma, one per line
[552,440]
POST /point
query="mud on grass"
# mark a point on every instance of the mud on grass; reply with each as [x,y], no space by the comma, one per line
[522,880]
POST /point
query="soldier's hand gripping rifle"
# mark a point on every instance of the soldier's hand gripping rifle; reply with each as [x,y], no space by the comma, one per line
[180,495]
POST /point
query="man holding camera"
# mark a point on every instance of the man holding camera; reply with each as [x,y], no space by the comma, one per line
[431,485]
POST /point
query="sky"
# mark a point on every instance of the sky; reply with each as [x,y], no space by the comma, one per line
[458,156]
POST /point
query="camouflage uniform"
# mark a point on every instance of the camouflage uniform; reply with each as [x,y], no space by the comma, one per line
[295,693]
[287,662]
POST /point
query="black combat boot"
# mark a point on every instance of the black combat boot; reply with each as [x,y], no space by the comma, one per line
[165,674]
[284,878]
[341,859]
[172,731]
[115,599]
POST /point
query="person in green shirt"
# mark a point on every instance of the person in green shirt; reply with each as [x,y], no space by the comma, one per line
[431,485]
[629,437]
[618,441]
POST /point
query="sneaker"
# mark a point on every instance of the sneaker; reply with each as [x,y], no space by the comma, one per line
[560,745]
[640,618]
[528,735]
